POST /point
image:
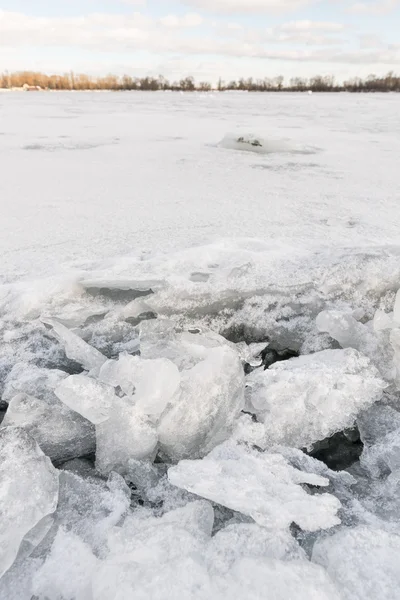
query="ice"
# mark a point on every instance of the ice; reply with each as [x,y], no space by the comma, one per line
[203,412]
[33,381]
[68,570]
[75,347]
[126,434]
[28,490]
[276,580]
[249,540]
[383,456]
[395,343]
[61,433]
[251,142]
[88,397]
[396,308]
[261,485]
[16,584]
[363,562]
[307,399]
[376,422]
[162,339]
[90,507]
[307,265]
[170,546]
[154,382]
[382,321]
[342,327]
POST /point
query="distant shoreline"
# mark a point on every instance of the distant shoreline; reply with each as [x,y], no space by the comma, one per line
[28,81]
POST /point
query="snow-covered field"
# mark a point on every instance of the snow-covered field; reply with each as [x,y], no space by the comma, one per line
[200,347]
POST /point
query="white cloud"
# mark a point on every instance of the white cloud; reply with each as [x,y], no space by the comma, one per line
[187,21]
[370,40]
[325,26]
[249,6]
[381,7]
[300,42]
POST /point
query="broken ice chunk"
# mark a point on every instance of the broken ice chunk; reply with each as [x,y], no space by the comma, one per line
[309,398]
[61,433]
[28,490]
[88,397]
[67,571]
[382,321]
[32,380]
[89,507]
[263,486]
[363,562]
[395,343]
[396,308]
[203,412]
[127,434]
[75,347]
[158,558]
[154,382]
[260,578]
[249,540]
[341,327]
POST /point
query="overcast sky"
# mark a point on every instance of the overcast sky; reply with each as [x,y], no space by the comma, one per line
[205,38]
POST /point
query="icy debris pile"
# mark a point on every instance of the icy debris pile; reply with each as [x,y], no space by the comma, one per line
[222,422]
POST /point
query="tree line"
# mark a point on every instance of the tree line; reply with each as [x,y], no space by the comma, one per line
[81,82]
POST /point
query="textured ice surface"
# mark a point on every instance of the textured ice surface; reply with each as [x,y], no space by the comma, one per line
[362,561]
[73,579]
[28,490]
[309,398]
[75,347]
[34,381]
[261,485]
[127,433]
[90,507]
[88,397]
[153,382]
[203,412]
[61,433]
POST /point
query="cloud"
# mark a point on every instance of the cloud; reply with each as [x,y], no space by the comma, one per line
[298,41]
[249,6]
[186,21]
[324,26]
[381,7]
[370,40]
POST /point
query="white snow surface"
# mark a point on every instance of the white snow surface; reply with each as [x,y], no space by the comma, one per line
[143,172]
[151,268]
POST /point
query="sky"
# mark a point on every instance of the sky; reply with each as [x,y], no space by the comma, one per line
[204,38]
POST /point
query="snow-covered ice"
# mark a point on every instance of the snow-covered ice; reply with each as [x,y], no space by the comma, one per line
[194,339]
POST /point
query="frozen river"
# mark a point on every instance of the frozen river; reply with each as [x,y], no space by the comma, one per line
[200,390]
[86,176]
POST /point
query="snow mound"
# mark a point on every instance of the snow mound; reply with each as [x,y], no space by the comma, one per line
[250,142]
